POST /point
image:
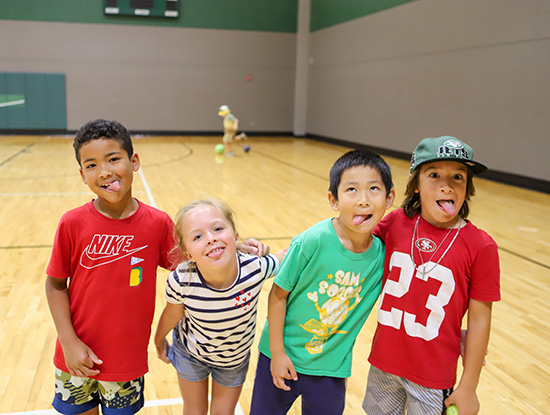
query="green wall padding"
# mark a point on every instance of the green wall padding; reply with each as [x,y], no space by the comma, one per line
[326,13]
[259,15]
[32,101]
[16,114]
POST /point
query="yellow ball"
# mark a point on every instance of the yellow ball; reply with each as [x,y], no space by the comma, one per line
[452,410]
[219,149]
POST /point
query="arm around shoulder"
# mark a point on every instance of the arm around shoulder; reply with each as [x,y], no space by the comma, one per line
[281,255]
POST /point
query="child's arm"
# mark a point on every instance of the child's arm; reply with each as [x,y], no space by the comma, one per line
[79,358]
[477,340]
[281,255]
[169,318]
[281,365]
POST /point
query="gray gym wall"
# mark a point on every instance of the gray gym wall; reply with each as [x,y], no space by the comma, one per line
[158,78]
[470,68]
[478,70]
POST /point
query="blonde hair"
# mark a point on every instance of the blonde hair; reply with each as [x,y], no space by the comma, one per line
[219,204]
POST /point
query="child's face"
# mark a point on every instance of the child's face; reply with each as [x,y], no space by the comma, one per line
[107,170]
[362,199]
[442,189]
[209,238]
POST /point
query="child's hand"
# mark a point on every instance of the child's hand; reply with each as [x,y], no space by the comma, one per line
[466,403]
[253,246]
[281,369]
[80,359]
[162,351]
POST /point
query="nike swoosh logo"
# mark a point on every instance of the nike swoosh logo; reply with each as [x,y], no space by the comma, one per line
[89,262]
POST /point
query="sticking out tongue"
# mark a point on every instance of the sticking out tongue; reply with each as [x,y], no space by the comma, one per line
[114,186]
[358,220]
[448,207]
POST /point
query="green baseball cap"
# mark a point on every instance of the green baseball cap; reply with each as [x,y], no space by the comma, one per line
[445,148]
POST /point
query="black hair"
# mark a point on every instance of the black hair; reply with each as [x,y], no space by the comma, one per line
[355,158]
[100,128]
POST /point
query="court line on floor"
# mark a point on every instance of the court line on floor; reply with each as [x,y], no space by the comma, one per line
[147,189]
[23,150]
[148,404]
[163,163]
[291,165]
[524,257]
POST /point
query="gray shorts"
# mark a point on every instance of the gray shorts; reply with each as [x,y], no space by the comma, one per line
[388,394]
[194,370]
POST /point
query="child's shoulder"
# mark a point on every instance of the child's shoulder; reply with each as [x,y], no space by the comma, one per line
[478,235]
[145,213]
[184,272]
[153,212]
[78,214]
[396,214]
[253,261]
[313,233]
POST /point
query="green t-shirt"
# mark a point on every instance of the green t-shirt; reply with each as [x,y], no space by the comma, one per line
[332,292]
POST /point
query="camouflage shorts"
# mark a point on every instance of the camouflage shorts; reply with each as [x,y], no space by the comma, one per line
[75,395]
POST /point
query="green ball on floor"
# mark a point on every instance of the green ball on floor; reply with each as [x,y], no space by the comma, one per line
[219,149]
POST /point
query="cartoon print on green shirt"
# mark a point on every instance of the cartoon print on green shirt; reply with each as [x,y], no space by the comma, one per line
[341,289]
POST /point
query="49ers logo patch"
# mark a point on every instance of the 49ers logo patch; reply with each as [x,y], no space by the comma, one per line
[425,245]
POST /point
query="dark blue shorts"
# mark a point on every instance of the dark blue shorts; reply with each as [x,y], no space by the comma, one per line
[321,395]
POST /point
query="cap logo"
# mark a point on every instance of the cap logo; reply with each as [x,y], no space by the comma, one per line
[453,149]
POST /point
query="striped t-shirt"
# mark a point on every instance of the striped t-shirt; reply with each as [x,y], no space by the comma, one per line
[218,326]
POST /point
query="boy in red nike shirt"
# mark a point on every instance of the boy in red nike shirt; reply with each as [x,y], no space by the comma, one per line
[109,250]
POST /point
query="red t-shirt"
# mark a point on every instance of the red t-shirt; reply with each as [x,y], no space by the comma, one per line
[111,265]
[420,316]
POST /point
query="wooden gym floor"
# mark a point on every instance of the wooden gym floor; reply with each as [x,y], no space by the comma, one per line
[277,190]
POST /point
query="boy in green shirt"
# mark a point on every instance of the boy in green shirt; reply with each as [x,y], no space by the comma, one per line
[323,293]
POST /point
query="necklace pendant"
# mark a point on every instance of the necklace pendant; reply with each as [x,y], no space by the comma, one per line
[424,244]
[422,274]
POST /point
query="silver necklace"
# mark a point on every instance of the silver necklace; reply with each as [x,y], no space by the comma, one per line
[415,235]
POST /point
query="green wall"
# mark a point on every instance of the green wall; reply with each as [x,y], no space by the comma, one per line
[260,15]
[326,13]
[32,101]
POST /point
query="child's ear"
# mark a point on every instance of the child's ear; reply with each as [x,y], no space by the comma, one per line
[136,163]
[390,199]
[333,202]
[83,177]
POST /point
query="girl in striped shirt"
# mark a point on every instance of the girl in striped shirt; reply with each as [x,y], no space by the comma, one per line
[212,300]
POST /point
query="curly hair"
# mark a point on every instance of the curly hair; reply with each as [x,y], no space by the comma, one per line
[100,128]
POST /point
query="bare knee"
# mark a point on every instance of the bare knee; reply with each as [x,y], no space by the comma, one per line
[195,410]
